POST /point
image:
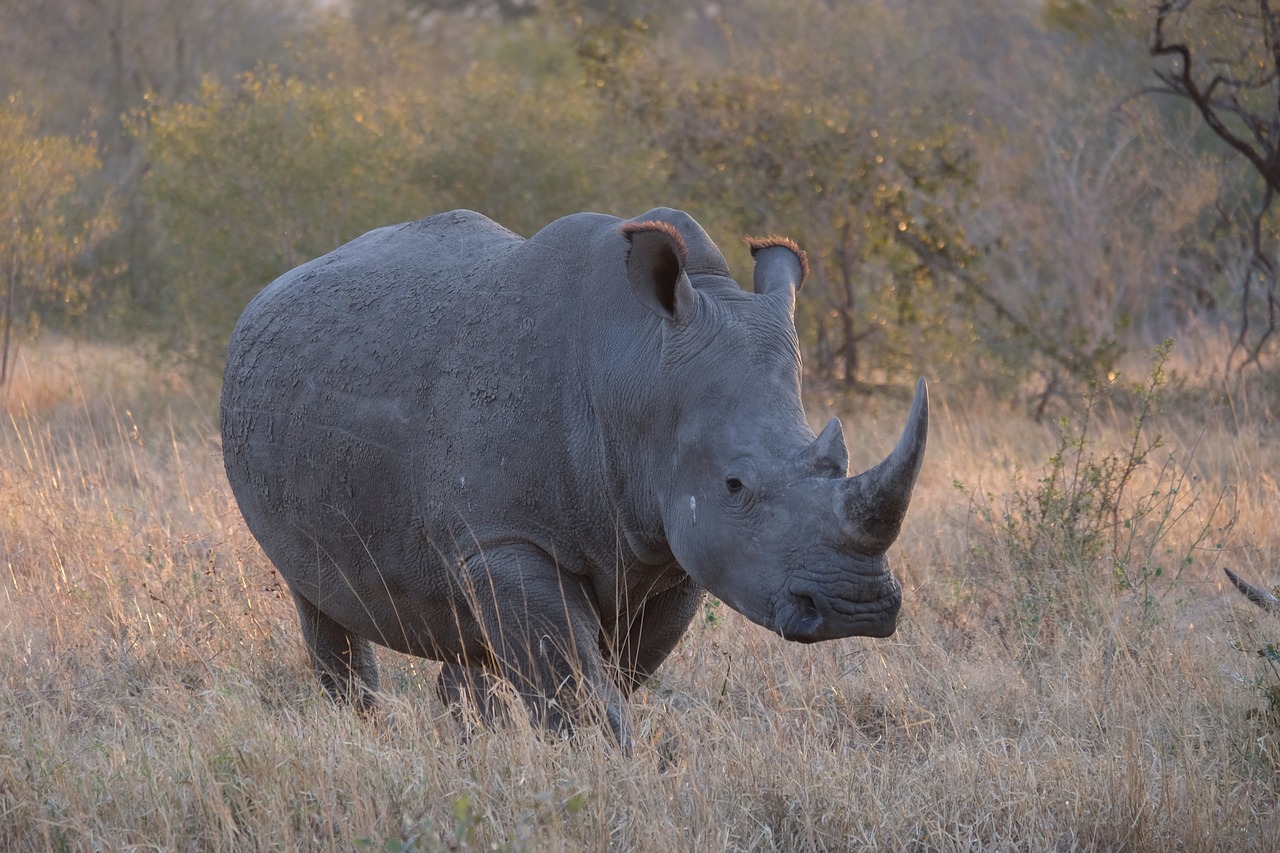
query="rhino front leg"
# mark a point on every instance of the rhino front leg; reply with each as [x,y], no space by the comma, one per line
[474,686]
[654,631]
[345,663]
[544,637]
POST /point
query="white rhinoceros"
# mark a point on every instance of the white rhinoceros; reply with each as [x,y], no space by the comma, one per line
[528,458]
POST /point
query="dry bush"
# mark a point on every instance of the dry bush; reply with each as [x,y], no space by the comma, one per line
[154,691]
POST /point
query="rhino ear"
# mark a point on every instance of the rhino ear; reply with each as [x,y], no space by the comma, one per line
[656,257]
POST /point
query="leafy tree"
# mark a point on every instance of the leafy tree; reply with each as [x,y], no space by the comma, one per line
[252,179]
[92,61]
[523,138]
[763,137]
[1093,214]
[48,231]
[507,10]
[976,196]
[255,178]
[618,13]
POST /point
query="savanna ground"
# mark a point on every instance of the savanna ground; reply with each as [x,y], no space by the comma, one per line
[1067,674]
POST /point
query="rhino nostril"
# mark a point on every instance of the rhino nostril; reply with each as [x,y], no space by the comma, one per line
[807,616]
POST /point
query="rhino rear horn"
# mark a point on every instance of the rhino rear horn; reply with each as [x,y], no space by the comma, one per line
[871,505]
[780,264]
[827,454]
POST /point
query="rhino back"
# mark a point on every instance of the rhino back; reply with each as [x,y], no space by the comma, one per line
[394,406]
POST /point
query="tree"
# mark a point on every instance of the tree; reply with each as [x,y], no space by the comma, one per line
[255,178]
[251,179]
[92,61]
[759,137]
[1224,58]
[48,228]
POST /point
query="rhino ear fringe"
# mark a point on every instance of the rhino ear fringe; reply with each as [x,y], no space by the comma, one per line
[627,229]
[758,243]
[656,259]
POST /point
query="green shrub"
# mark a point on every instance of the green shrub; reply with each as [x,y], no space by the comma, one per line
[1101,533]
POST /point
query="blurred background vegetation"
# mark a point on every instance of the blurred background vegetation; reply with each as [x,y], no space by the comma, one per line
[1010,194]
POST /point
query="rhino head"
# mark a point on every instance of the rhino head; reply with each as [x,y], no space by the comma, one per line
[755,507]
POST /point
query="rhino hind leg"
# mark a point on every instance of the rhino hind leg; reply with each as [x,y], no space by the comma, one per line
[543,635]
[344,662]
[654,632]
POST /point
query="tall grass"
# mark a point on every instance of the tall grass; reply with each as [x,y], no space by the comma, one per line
[154,692]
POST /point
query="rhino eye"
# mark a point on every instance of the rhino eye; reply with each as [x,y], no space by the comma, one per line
[738,479]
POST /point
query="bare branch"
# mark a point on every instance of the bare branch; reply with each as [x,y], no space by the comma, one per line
[1261,268]
[939,262]
[1270,31]
[1183,83]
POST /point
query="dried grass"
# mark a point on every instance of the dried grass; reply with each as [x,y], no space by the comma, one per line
[154,692]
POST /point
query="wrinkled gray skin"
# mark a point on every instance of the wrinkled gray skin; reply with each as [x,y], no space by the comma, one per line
[528,458]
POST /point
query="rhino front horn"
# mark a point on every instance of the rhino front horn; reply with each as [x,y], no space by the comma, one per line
[871,506]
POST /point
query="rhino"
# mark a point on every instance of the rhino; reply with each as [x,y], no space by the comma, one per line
[529,458]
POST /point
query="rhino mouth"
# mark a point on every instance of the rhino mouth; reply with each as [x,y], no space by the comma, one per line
[811,617]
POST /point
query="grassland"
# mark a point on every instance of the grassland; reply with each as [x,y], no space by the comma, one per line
[1062,678]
